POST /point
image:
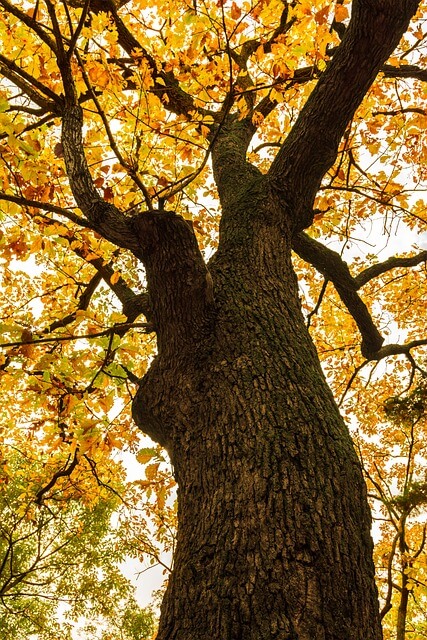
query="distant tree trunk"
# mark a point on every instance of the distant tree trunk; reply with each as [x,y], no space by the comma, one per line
[403,603]
[274,526]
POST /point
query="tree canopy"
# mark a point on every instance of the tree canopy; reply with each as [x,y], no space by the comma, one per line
[60,563]
[112,111]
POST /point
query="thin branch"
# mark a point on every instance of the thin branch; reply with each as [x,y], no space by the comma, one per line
[45,206]
[422,544]
[391,263]
[398,349]
[133,303]
[266,145]
[250,46]
[80,26]
[99,482]
[82,306]
[388,605]
[318,303]
[62,473]
[397,112]
[109,356]
[86,336]
[351,380]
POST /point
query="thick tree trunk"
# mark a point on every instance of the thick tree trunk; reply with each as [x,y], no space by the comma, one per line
[274,527]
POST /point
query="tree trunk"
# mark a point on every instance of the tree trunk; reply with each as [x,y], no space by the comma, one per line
[274,526]
[403,603]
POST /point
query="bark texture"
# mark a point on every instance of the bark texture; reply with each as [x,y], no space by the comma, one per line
[274,528]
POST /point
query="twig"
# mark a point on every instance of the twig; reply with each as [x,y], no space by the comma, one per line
[62,473]
[106,332]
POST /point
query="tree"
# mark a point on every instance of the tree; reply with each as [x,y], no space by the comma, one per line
[395,467]
[158,108]
[59,565]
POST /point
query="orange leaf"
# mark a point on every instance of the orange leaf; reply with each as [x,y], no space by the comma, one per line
[341,13]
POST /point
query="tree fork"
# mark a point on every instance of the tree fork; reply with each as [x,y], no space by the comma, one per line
[274,527]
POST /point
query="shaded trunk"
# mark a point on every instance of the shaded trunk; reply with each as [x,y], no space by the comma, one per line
[402,611]
[274,527]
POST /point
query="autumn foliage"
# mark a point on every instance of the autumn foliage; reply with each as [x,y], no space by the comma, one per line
[156,86]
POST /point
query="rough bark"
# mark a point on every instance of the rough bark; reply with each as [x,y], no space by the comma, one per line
[274,528]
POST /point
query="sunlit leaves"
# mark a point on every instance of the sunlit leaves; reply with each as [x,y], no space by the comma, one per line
[394,462]
[60,563]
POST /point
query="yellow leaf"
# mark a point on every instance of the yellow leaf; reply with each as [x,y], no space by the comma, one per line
[145,455]
[151,471]
[257,118]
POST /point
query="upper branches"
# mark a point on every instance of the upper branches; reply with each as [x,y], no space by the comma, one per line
[166,85]
[311,147]
[335,269]
[100,215]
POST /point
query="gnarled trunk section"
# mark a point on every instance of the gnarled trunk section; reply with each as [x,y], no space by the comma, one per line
[274,527]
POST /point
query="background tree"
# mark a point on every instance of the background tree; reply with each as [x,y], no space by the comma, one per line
[295,115]
[59,564]
[395,465]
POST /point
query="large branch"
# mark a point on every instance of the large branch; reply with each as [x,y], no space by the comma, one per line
[311,147]
[101,215]
[330,264]
[179,284]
